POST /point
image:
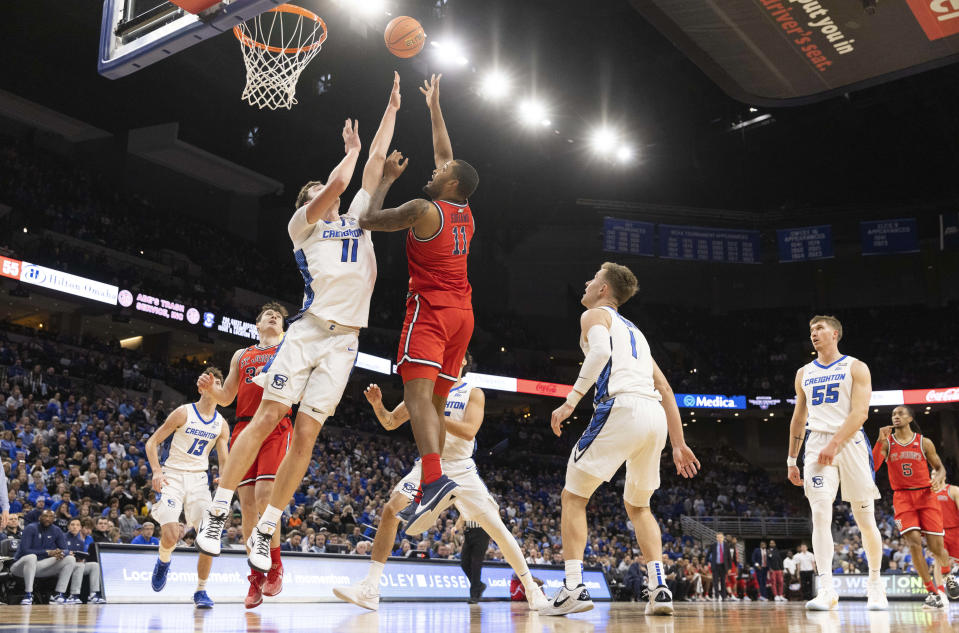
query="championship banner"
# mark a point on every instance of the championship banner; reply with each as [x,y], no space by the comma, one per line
[881,237]
[628,237]
[791,52]
[126,572]
[949,231]
[806,243]
[700,243]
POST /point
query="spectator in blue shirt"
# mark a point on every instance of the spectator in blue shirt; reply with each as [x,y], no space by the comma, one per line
[78,545]
[43,553]
[145,537]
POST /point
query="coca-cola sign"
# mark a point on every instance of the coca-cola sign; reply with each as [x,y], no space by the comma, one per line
[923,396]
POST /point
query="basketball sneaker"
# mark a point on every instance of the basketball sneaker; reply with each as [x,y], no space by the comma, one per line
[422,513]
[274,580]
[876,597]
[568,601]
[933,603]
[74,599]
[209,533]
[660,601]
[254,597]
[362,594]
[952,587]
[158,581]
[202,601]
[825,601]
[59,598]
[259,546]
[96,598]
[537,599]
[27,598]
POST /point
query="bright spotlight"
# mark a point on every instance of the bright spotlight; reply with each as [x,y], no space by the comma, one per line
[625,154]
[603,140]
[545,122]
[532,112]
[495,85]
[450,52]
[368,7]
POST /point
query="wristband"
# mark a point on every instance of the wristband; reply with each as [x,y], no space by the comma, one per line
[790,461]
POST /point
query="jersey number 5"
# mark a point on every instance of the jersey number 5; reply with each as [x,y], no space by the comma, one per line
[198,446]
[907,470]
[831,393]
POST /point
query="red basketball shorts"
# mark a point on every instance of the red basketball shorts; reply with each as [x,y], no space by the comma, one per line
[951,541]
[917,510]
[271,453]
[433,343]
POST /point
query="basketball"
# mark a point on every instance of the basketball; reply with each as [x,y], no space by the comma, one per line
[404,36]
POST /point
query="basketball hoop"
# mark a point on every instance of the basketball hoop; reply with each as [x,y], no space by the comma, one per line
[277,45]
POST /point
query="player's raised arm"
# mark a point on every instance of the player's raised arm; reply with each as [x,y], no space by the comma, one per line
[683,457]
[389,420]
[373,171]
[858,412]
[594,325]
[442,148]
[225,394]
[938,471]
[796,425]
[469,426]
[881,449]
[336,183]
[174,421]
[410,214]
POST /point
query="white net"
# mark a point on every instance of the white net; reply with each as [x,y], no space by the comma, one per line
[277,45]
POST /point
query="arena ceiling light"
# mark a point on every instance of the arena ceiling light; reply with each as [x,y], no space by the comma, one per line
[450,51]
[603,140]
[533,112]
[495,85]
[625,154]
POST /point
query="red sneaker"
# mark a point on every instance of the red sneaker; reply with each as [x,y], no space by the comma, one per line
[274,581]
[254,597]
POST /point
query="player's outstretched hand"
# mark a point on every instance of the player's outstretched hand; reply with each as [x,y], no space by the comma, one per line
[884,433]
[561,412]
[686,463]
[792,473]
[395,99]
[431,90]
[159,481]
[204,383]
[373,394]
[351,136]
[395,165]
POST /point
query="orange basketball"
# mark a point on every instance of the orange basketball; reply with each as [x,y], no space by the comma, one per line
[404,36]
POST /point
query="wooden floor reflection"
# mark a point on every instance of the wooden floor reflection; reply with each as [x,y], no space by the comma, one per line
[494,617]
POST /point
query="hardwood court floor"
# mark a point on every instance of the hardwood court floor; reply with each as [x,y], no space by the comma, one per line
[492,617]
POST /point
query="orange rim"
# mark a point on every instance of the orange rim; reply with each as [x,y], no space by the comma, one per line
[284,8]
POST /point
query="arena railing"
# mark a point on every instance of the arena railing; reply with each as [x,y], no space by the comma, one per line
[705,527]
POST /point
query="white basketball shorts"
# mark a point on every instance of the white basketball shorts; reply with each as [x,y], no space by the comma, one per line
[312,366]
[185,491]
[626,428]
[472,496]
[851,469]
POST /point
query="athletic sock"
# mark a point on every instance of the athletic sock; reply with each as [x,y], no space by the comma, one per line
[259,575]
[654,569]
[269,520]
[165,554]
[201,584]
[574,573]
[825,581]
[873,575]
[931,587]
[222,500]
[374,573]
[432,470]
[945,570]
[275,556]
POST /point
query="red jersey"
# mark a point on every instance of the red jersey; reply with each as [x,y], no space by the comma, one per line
[908,468]
[950,513]
[438,264]
[248,393]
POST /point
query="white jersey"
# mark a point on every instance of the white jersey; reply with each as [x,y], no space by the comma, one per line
[192,442]
[630,368]
[338,266]
[457,447]
[828,390]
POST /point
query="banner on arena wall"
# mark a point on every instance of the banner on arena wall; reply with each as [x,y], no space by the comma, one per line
[700,243]
[804,243]
[628,237]
[70,284]
[880,237]
[896,585]
[10,267]
[930,396]
[949,231]
[126,572]
[709,401]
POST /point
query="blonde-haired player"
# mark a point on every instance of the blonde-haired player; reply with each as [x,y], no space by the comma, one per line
[183,479]
[634,409]
[463,417]
[832,403]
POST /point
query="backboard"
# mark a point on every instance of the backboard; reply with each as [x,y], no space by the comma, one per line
[137,33]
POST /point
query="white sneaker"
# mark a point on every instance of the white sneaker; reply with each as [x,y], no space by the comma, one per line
[537,599]
[747,599]
[259,546]
[209,533]
[660,601]
[945,598]
[876,597]
[825,601]
[362,594]
[567,601]
[933,603]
